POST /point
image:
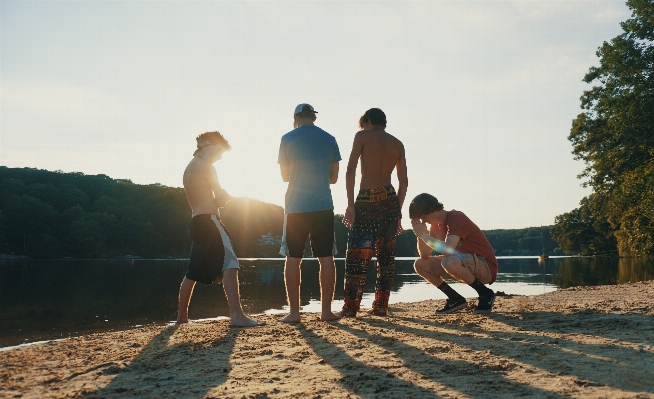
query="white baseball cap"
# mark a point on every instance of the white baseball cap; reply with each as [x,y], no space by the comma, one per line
[299,108]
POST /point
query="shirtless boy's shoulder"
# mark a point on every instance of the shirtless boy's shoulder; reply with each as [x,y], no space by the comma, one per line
[196,167]
[376,134]
[377,139]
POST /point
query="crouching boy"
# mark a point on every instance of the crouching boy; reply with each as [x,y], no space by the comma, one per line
[467,256]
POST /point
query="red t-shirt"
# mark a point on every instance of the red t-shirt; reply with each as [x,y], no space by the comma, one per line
[472,240]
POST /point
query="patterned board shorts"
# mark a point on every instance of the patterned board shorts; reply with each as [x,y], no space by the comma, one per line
[374,209]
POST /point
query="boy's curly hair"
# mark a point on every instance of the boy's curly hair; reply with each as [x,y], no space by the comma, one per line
[207,138]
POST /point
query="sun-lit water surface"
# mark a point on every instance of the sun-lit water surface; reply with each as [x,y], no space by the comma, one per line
[41,300]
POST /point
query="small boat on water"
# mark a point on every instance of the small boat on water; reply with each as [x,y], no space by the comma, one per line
[542,257]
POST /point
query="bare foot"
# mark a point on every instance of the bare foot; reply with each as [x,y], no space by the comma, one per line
[244,321]
[343,313]
[331,316]
[291,318]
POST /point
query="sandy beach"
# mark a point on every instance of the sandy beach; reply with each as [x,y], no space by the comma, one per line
[578,342]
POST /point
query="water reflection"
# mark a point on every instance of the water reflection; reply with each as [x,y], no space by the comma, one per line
[602,271]
[52,299]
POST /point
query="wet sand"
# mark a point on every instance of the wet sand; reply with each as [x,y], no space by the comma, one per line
[579,342]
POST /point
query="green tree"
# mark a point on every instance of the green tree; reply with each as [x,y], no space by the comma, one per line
[406,244]
[613,135]
[88,235]
[135,234]
[581,232]
[28,220]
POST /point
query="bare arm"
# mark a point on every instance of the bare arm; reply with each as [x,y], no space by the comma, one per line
[424,250]
[285,170]
[221,197]
[402,178]
[420,230]
[350,175]
[333,178]
[452,241]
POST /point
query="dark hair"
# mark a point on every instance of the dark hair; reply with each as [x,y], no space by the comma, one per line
[374,116]
[424,204]
[215,138]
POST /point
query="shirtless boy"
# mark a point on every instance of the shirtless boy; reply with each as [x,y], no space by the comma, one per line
[212,257]
[467,256]
[308,161]
[374,219]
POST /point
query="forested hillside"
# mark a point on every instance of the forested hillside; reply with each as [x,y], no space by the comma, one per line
[528,241]
[53,214]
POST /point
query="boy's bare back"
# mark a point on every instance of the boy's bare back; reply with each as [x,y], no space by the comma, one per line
[380,153]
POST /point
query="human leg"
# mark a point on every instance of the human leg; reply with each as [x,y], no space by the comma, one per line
[453,265]
[385,249]
[185,292]
[323,247]
[230,285]
[296,231]
[474,271]
[480,270]
[327,286]
[431,269]
[292,280]
[358,255]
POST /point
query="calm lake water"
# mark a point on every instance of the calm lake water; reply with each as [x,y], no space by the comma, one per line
[49,299]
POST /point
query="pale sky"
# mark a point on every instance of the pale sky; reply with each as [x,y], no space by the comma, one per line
[481,93]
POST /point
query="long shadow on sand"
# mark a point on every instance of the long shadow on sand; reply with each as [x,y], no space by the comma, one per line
[370,381]
[607,325]
[359,378]
[558,356]
[164,370]
[448,372]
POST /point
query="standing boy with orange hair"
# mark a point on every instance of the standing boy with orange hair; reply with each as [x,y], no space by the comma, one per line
[212,258]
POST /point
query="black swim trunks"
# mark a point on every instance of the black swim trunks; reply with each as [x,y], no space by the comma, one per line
[211,249]
[298,226]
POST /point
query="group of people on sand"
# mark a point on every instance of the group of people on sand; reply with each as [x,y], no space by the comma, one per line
[309,161]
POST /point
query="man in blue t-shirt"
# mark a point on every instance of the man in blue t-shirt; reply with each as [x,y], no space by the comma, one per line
[308,161]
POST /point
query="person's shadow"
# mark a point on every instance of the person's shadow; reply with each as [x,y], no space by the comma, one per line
[181,369]
[371,381]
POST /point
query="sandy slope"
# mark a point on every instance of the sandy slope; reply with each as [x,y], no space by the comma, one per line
[582,342]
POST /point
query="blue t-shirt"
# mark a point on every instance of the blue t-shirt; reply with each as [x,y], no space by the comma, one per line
[310,152]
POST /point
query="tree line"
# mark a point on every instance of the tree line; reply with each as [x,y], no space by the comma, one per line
[46,214]
[614,136]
